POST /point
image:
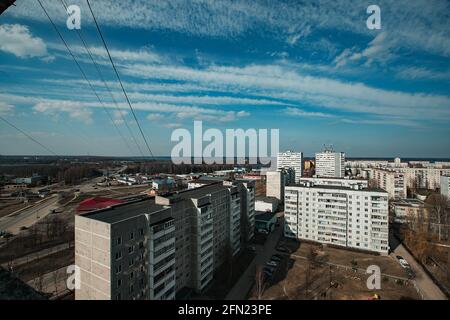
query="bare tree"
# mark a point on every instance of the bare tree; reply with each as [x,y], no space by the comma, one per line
[259,282]
[438,208]
[55,280]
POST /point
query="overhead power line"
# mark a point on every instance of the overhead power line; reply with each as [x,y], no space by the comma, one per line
[118,78]
[80,35]
[28,136]
[83,73]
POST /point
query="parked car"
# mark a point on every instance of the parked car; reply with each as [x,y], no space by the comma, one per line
[271,263]
[411,274]
[251,248]
[270,269]
[5,235]
[263,231]
[282,249]
[403,262]
[275,258]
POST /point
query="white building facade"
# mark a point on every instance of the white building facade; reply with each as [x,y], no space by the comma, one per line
[445,186]
[349,217]
[291,160]
[330,164]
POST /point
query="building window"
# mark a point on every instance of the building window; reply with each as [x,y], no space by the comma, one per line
[131,249]
[131,235]
[119,241]
[119,282]
[118,255]
[141,231]
[119,268]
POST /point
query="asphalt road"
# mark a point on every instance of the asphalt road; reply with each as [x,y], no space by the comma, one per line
[426,286]
[263,254]
[26,218]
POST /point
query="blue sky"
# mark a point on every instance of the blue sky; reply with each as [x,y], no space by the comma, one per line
[310,68]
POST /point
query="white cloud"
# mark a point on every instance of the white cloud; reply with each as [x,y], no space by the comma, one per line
[279,82]
[155,117]
[142,55]
[74,109]
[419,24]
[18,40]
[413,73]
[380,49]
[301,113]
[5,109]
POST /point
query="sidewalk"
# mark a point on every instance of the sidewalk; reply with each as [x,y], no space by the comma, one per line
[245,283]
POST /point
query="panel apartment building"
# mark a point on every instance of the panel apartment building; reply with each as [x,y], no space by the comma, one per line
[353,217]
[154,248]
[330,164]
[445,186]
[291,160]
[393,182]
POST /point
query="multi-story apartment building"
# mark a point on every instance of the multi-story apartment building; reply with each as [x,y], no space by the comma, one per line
[352,217]
[391,181]
[445,186]
[337,182]
[153,248]
[330,164]
[409,211]
[275,182]
[126,252]
[427,178]
[291,160]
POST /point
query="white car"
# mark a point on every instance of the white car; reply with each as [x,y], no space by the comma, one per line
[271,263]
[403,262]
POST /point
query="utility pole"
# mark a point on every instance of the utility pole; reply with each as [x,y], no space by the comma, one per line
[5,4]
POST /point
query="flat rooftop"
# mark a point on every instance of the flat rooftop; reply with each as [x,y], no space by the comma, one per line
[125,211]
[200,191]
[264,216]
[408,202]
[267,199]
[369,189]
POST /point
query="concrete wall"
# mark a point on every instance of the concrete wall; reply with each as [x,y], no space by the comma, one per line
[93,256]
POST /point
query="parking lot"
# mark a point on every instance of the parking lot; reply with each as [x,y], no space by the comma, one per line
[309,271]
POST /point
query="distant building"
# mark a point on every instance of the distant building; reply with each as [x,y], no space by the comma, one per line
[163,185]
[409,211]
[291,160]
[265,221]
[33,180]
[275,182]
[266,204]
[393,182]
[445,186]
[96,203]
[352,217]
[337,182]
[330,164]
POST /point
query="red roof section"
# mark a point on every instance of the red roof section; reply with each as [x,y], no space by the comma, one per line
[96,203]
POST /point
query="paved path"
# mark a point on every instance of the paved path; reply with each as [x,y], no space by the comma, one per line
[54,282]
[427,288]
[38,255]
[263,254]
[29,216]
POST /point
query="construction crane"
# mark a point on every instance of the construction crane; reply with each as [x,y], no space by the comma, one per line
[5,4]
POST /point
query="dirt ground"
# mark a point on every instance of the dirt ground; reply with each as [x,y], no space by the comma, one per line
[45,265]
[9,207]
[332,276]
